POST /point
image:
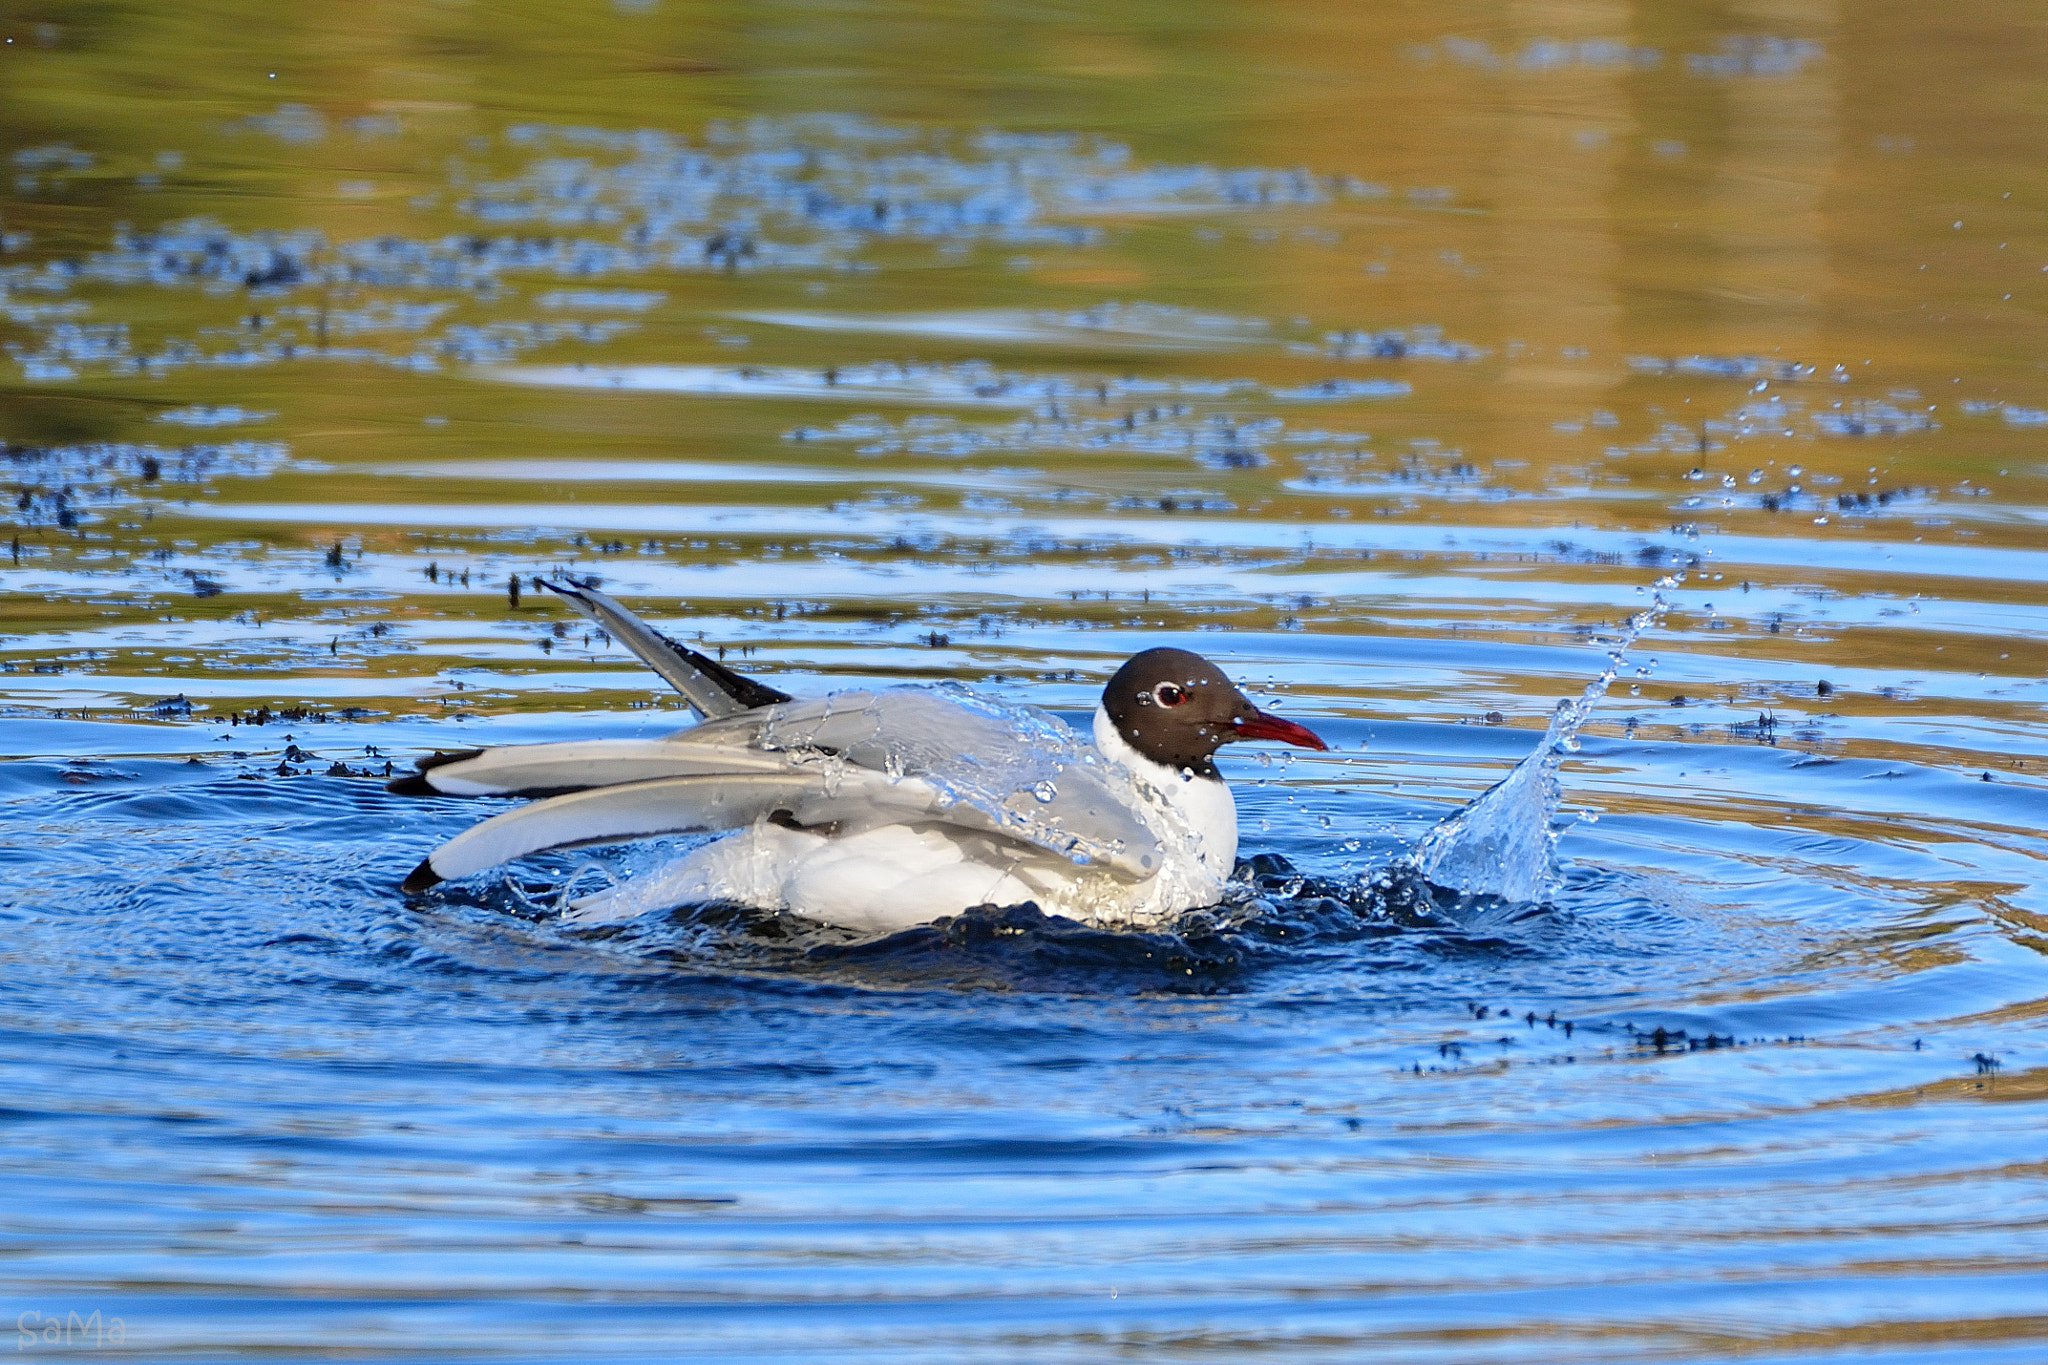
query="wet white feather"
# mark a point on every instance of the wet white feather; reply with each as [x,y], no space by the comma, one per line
[1204,803]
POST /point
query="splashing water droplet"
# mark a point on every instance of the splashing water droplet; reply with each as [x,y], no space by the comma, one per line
[1503,842]
[1045,791]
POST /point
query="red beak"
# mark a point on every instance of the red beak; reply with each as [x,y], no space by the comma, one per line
[1264,725]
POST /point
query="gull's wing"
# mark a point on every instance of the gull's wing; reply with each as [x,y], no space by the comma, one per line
[1016,771]
[853,760]
[728,743]
[708,685]
[536,770]
[609,815]
[805,798]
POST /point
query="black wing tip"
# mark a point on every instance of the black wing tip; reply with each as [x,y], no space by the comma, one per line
[415,782]
[750,694]
[421,878]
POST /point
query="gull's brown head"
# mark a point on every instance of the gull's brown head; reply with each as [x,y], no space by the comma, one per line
[1176,708]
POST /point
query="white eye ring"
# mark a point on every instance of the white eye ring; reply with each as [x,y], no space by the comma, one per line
[1169,694]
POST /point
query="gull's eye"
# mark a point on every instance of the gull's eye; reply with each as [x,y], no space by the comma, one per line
[1169,694]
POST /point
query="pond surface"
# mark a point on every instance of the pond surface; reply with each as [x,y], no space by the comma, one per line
[1387,354]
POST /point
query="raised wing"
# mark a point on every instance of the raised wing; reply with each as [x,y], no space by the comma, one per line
[709,686]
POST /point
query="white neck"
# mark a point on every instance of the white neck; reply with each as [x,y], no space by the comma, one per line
[1204,802]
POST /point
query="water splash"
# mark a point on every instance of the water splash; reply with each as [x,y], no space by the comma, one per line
[1503,842]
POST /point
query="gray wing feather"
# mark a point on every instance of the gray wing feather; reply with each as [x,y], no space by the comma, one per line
[709,686]
[603,815]
[575,765]
[1013,771]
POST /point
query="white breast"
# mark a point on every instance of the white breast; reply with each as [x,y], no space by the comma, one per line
[1204,802]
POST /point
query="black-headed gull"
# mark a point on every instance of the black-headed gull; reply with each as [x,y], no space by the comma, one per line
[878,810]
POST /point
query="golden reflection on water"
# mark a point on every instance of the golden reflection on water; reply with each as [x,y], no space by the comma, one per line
[1580,190]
